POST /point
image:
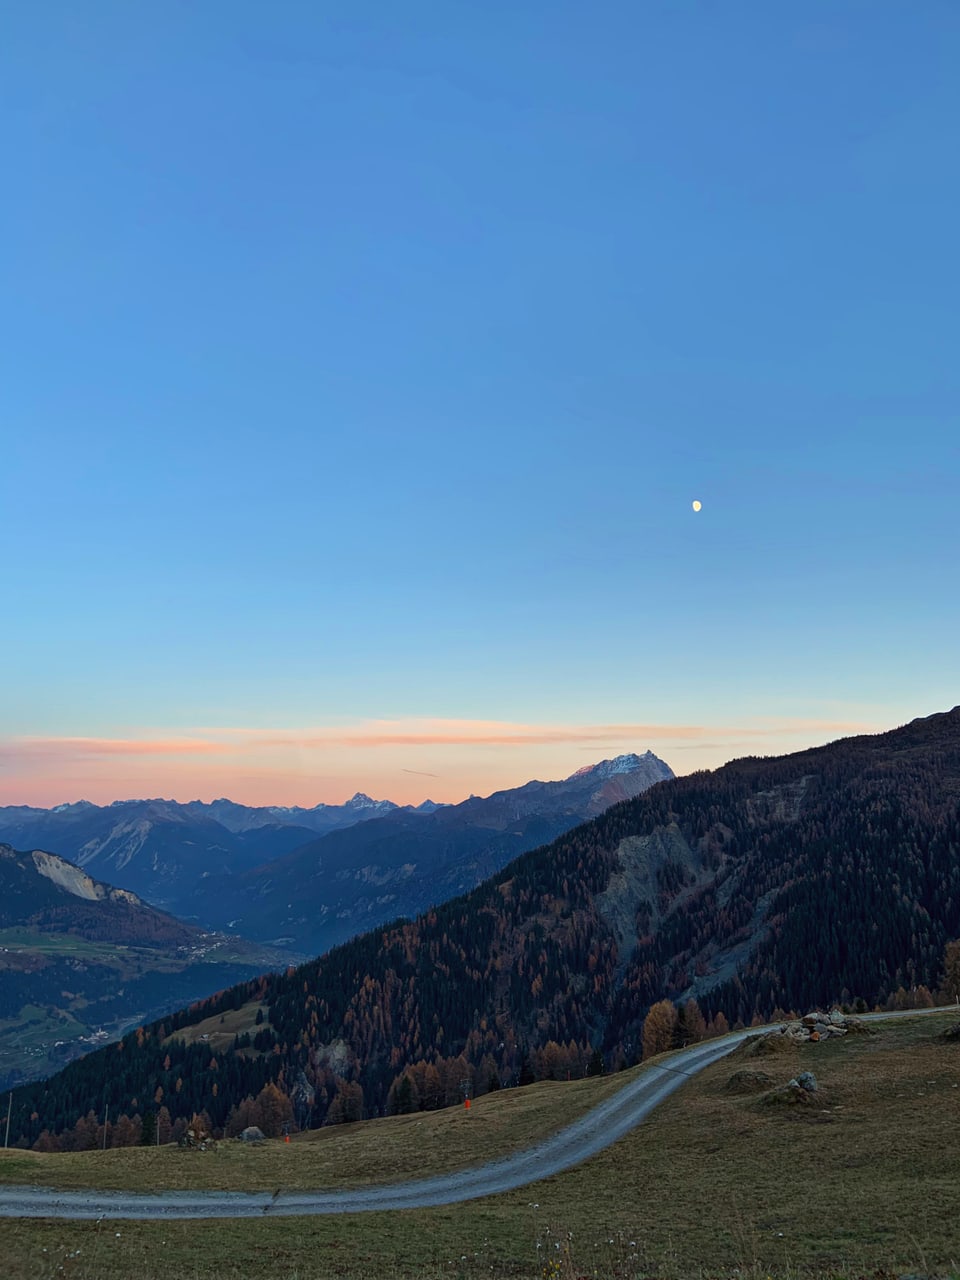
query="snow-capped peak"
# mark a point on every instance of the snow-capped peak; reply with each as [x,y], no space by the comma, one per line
[609,768]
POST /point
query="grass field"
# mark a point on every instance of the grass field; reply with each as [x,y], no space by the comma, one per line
[221,1029]
[864,1179]
[19,939]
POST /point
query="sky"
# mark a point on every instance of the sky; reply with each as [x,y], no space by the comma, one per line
[360,365]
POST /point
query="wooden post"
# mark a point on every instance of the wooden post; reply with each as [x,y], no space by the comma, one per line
[6,1136]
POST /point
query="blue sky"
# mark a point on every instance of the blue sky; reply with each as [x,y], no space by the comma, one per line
[361,363]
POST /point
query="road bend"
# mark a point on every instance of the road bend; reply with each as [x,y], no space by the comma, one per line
[596,1130]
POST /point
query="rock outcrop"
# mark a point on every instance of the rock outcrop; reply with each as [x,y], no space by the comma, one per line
[813,1027]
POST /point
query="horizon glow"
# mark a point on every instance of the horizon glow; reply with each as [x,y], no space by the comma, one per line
[363,369]
[444,760]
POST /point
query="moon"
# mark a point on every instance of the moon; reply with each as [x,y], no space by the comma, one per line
[696,504]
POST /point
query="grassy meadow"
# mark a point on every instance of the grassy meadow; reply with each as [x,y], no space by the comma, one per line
[863,1180]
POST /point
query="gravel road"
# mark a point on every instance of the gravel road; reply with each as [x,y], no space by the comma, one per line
[599,1128]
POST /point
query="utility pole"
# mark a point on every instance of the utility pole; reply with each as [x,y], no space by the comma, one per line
[6,1136]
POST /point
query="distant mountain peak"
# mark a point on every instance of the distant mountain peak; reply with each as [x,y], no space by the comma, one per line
[360,800]
[135,800]
[619,764]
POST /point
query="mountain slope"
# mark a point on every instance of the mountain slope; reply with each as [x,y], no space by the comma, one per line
[156,848]
[163,851]
[80,960]
[783,881]
[265,872]
[333,888]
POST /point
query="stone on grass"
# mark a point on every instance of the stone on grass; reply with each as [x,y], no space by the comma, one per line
[787,1095]
[749,1082]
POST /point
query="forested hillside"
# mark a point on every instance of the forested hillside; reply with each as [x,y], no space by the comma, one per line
[831,874]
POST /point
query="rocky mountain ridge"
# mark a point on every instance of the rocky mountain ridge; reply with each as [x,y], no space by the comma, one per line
[334,888]
[232,867]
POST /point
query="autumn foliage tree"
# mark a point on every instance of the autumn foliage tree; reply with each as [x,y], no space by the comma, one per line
[275,1110]
[692,1024]
[659,1028]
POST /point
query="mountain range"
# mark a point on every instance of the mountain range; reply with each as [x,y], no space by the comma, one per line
[161,849]
[333,888]
[85,959]
[831,874]
[266,875]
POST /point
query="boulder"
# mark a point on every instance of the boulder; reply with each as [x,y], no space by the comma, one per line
[773,1042]
[858,1027]
[807,1080]
[252,1134]
[749,1082]
[787,1095]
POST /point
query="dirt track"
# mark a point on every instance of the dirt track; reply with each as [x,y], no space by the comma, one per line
[599,1128]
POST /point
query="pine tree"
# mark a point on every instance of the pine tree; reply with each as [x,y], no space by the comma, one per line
[149,1135]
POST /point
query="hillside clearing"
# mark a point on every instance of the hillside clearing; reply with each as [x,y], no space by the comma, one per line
[221,1029]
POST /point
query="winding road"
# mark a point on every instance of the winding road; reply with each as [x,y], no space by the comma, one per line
[599,1128]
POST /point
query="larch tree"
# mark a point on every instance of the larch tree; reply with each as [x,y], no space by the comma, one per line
[659,1027]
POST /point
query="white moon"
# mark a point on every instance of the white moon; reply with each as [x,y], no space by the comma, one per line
[696,504]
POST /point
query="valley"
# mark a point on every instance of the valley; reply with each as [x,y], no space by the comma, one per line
[265,875]
[245,904]
[81,962]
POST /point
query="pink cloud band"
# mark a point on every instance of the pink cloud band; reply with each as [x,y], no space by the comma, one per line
[301,766]
[380,733]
